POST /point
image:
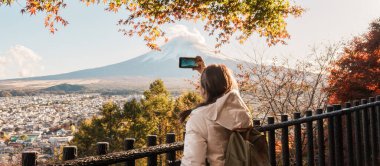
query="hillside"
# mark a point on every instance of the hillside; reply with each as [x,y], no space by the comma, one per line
[65,88]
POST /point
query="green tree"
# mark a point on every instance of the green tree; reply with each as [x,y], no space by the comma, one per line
[242,18]
[107,127]
[137,122]
[158,105]
[156,113]
[187,100]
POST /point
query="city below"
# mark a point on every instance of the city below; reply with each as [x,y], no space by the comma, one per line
[46,122]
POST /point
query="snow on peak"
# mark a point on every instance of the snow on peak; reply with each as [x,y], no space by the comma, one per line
[182,31]
[183,43]
[180,47]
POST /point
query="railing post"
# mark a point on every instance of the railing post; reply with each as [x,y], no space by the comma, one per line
[331,141]
[350,149]
[285,142]
[272,143]
[358,135]
[374,140]
[310,140]
[129,145]
[256,122]
[297,139]
[321,140]
[338,136]
[152,141]
[69,153]
[366,137]
[29,158]
[102,148]
[170,156]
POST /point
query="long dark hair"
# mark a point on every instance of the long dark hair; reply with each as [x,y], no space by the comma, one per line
[216,80]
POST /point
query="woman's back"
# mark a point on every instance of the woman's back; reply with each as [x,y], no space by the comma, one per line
[209,127]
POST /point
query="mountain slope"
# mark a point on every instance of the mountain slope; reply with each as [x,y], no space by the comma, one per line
[162,63]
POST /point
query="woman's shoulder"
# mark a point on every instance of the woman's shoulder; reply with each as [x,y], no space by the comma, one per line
[200,115]
[200,111]
[197,121]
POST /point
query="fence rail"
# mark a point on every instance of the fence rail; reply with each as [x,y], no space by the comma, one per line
[336,137]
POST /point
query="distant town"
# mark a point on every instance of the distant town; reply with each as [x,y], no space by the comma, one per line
[46,122]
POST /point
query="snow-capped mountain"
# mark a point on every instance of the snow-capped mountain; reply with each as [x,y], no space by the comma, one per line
[162,63]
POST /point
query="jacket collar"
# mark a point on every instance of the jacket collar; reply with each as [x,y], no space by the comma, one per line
[230,111]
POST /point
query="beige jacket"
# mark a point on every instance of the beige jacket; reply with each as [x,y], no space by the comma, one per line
[209,127]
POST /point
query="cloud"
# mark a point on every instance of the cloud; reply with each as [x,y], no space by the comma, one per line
[19,61]
[179,30]
[3,62]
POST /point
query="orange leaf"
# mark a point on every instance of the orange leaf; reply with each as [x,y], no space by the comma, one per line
[32,10]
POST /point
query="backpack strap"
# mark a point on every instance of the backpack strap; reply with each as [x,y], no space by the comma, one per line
[247,133]
[252,135]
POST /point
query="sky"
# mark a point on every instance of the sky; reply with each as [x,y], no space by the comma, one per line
[92,39]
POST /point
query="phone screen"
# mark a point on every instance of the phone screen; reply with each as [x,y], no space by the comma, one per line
[185,62]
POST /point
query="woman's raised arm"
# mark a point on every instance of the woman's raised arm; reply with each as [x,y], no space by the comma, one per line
[200,64]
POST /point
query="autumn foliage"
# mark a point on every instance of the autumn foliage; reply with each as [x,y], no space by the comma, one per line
[356,74]
[222,18]
[51,8]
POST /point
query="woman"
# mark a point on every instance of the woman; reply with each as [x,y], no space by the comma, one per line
[210,124]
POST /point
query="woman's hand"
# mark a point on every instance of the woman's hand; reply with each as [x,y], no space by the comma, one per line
[200,64]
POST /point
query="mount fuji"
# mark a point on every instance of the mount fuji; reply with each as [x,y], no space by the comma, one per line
[163,63]
[138,72]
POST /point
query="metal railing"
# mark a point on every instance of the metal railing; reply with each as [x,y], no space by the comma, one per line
[335,137]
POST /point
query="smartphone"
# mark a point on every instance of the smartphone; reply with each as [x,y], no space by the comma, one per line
[187,62]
